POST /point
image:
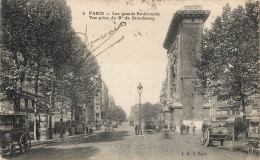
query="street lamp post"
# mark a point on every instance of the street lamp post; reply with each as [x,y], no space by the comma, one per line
[140,89]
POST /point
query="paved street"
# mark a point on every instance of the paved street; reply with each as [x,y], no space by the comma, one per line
[122,143]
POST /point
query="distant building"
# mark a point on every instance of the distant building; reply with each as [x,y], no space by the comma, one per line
[97,107]
[104,101]
[101,104]
[183,42]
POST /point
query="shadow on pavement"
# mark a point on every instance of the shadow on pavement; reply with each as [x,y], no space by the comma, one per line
[58,154]
[104,137]
[72,149]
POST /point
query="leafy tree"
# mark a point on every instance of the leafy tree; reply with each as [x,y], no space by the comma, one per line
[134,113]
[229,65]
[35,34]
[149,112]
[41,47]
[116,113]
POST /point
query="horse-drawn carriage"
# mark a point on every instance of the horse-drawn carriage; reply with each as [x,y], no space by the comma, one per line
[14,134]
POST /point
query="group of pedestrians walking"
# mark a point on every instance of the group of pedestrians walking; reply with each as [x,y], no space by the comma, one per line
[186,129]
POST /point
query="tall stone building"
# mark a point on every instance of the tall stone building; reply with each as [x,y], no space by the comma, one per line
[183,42]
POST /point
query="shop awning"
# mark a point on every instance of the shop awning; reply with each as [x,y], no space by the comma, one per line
[14,114]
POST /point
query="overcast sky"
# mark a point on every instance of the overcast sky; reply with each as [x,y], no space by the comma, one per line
[139,56]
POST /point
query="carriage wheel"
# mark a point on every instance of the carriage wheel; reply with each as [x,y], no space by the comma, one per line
[12,150]
[206,138]
[202,141]
[249,148]
[28,145]
[25,143]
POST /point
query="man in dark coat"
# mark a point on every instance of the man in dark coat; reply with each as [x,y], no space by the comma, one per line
[136,129]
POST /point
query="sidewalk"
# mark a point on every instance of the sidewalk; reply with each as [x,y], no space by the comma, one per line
[56,138]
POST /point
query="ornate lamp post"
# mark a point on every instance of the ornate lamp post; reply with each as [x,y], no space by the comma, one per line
[140,89]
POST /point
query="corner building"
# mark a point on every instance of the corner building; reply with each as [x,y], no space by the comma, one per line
[183,42]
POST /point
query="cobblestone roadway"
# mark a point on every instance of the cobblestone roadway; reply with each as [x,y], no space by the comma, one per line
[124,144]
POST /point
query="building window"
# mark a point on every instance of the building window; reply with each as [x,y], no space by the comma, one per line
[26,104]
[97,101]
[33,105]
[30,106]
[17,104]
[97,115]
[22,103]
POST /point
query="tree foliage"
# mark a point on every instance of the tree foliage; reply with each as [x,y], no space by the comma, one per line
[42,49]
[149,112]
[116,113]
[229,65]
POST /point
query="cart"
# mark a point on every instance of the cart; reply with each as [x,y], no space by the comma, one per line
[16,136]
[214,131]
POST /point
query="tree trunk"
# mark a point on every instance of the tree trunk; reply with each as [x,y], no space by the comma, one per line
[72,118]
[244,132]
[35,107]
[51,110]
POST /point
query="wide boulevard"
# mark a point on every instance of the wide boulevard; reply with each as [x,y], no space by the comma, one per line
[122,143]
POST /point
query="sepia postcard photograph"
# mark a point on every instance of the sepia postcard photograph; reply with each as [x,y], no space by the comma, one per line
[129,79]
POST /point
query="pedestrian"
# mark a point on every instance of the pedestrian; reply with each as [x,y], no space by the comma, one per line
[187,129]
[136,129]
[86,129]
[182,128]
[194,130]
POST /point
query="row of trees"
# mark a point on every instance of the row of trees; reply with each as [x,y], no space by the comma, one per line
[116,113]
[149,112]
[40,50]
[229,66]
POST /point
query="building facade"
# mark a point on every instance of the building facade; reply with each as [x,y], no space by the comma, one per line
[183,42]
[98,106]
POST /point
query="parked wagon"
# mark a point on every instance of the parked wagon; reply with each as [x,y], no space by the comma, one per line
[149,127]
[16,137]
[214,131]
